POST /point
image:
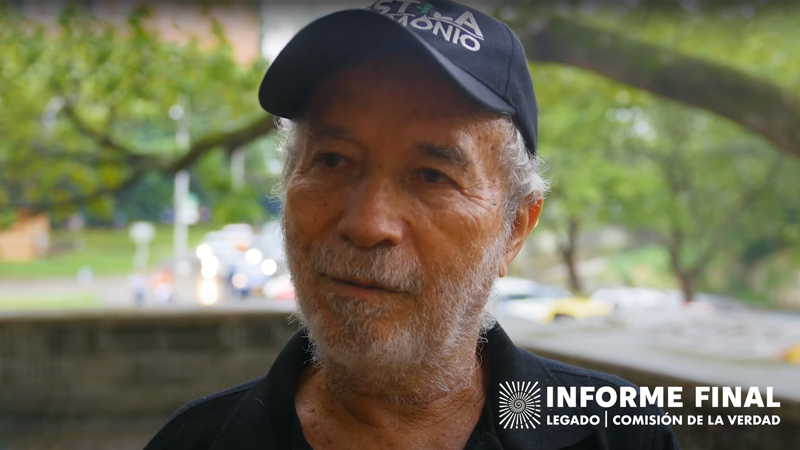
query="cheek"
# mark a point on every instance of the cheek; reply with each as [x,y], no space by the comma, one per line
[309,211]
[457,228]
[454,236]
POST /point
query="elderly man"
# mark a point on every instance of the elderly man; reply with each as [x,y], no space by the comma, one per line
[411,181]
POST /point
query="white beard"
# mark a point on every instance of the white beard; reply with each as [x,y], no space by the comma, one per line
[361,349]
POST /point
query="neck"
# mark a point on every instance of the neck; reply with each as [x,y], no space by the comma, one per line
[438,388]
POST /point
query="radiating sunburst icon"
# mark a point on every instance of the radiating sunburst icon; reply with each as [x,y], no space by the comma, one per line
[520,404]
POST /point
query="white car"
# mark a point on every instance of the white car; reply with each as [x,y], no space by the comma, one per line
[528,299]
[279,293]
[629,298]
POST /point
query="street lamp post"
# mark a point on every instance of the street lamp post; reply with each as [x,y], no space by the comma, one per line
[181,190]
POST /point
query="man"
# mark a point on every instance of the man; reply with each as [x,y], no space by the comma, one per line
[411,181]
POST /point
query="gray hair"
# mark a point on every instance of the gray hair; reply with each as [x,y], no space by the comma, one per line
[524,170]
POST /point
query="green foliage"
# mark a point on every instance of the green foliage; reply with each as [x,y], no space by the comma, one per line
[147,199]
[213,180]
[644,266]
[711,186]
[84,107]
[236,207]
[579,140]
[756,39]
[721,200]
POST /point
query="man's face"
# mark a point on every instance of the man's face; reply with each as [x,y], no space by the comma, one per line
[394,215]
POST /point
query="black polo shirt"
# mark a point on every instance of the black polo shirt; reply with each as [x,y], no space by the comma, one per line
[260,414]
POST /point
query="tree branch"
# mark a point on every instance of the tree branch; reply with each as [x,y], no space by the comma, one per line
[753,103]
[144,164]
[78,199]
[234,139]
[104,140]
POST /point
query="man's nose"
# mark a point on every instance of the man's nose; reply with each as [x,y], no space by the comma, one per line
[371,216]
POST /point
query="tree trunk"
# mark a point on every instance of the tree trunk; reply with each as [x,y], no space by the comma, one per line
[140,164]
[685,277]
[568,252]
[687,285]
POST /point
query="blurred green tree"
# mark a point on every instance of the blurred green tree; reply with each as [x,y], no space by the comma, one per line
[579,144]
[84,109]
[719,200]
[715,197]
[703,188]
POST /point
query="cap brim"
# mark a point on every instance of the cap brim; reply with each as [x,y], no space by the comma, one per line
[342,38]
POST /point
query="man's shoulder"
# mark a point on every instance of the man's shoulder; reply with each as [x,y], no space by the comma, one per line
[195,425]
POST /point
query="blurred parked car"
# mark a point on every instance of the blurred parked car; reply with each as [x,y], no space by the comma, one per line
[792,355]
[538,302]
[220,250]
[270,242]
[279,293]
[247,277]
[645,299]
[263,260]
[241,235]
[279,288]
[630,298]
[242,260]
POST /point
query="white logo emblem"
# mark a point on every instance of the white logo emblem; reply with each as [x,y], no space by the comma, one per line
[462,30]
[520,404]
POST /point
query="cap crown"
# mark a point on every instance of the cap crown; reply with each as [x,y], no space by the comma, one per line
[480,45]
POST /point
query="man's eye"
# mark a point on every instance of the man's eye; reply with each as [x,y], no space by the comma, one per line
[330,160]
[433,176]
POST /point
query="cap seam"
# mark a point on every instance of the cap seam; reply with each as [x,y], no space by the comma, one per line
[460,66]
[508,70]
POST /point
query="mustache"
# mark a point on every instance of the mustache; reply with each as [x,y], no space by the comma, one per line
[388,268]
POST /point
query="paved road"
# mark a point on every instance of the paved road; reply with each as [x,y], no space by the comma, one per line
[113,291]
[736,347]
[724,349]
[116,293]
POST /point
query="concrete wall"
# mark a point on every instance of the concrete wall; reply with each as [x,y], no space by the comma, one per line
[110,380]
[129,365]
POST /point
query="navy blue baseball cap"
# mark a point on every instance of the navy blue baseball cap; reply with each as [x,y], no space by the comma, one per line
[478,52]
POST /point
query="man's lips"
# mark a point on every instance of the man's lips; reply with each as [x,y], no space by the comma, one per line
[360,284]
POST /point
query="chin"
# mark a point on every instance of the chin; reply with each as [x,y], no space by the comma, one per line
[353,333]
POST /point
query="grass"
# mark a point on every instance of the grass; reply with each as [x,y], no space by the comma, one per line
[107,252]
[645,266]
[42,302]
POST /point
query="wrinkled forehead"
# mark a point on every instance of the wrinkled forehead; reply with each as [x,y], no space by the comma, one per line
[410,86]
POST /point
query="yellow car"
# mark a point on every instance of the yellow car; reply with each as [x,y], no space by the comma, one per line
[792,355]
[579,308]
[531,300]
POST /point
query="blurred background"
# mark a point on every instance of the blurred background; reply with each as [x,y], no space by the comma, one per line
[140,260]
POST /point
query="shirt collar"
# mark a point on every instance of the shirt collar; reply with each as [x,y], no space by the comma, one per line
[266,413]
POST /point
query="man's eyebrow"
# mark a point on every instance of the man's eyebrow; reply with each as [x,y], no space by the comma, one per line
[454,155]
[322,130]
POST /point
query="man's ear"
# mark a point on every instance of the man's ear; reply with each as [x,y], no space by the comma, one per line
[526,218]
